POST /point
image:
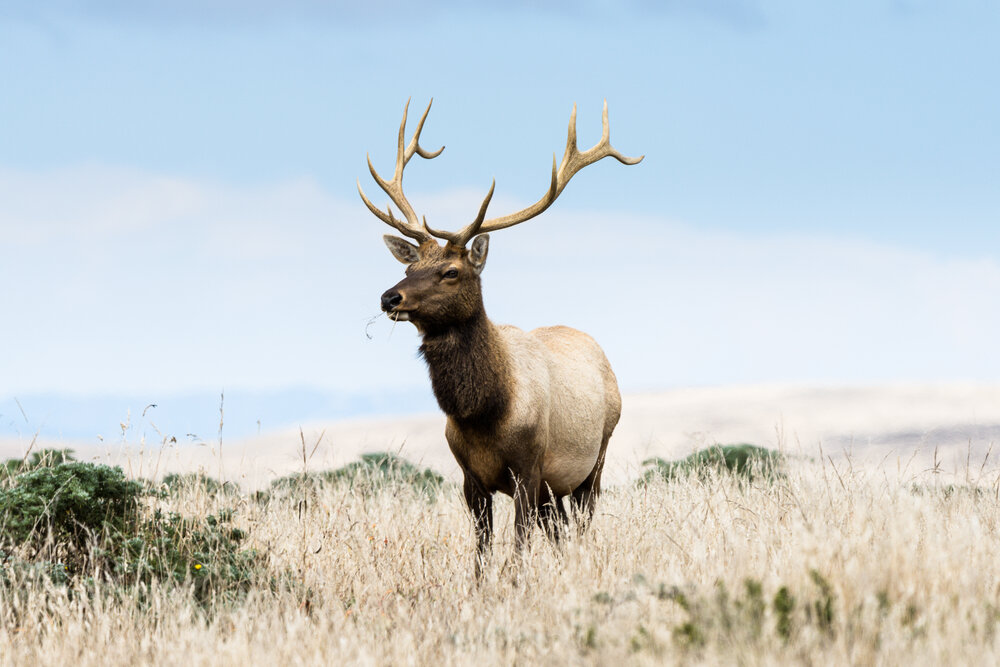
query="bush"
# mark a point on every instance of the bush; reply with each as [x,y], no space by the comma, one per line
[205,551]
[71,503]
[950,491]
[744,460]
[197,481]
[749,616]
[372,473]
[43,458]
[76,519]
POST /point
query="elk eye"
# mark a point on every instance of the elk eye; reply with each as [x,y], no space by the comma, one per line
[451,273]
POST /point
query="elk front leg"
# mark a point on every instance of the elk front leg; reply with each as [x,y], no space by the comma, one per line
[481,506]
[526,491]
[552,515]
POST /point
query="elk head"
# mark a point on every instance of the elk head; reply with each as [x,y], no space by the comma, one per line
[442,285]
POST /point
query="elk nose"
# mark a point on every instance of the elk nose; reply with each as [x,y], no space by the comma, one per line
[391,299]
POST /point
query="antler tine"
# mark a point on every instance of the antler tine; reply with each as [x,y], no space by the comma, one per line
[415,142]
[571,147]
[606,141]
[461,237]
[572,162]
[387,217]
[412,227]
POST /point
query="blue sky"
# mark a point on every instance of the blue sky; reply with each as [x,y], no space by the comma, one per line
[178,213]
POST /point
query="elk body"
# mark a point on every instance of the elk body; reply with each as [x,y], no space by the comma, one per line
[529,413]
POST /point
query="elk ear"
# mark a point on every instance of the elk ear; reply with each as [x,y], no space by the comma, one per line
[402,250]
[477,253]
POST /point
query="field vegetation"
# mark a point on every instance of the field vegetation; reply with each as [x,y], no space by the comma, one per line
[720,558]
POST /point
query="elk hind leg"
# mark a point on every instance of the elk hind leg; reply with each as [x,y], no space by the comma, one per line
[585,495]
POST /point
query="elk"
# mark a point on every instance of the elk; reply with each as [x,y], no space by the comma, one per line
[529,413]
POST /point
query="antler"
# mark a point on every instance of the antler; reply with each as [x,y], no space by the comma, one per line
[394,188]
[572,162]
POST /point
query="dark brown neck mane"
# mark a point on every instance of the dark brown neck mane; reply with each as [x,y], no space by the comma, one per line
[469,371]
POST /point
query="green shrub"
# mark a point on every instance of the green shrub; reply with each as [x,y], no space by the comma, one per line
[950,491]
[75,520]
[43,458]
[372,473]
[69,503]
[206,552]
[746,618]
[14,571]
[197,481]
[821,610]
[784,608]
[745,460]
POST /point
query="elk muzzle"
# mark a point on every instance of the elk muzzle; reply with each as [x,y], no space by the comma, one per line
[391,299]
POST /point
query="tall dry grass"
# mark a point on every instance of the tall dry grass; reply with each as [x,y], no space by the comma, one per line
[882,570]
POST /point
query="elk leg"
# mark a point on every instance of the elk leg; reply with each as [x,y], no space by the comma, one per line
[526,491]
[563,516]
[585,495]
[551,512]
[481,506]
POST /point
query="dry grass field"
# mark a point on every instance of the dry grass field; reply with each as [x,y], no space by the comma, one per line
[829,563]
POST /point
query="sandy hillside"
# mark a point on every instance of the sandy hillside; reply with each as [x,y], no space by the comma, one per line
[909,426]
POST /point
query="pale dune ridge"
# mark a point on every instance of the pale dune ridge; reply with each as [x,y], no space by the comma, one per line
[909,427]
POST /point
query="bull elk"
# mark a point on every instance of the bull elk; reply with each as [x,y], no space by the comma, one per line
[529,413]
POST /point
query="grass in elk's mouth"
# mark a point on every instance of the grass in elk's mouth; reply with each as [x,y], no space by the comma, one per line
[370,322]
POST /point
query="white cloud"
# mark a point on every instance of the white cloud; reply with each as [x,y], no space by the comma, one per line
[115,280]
